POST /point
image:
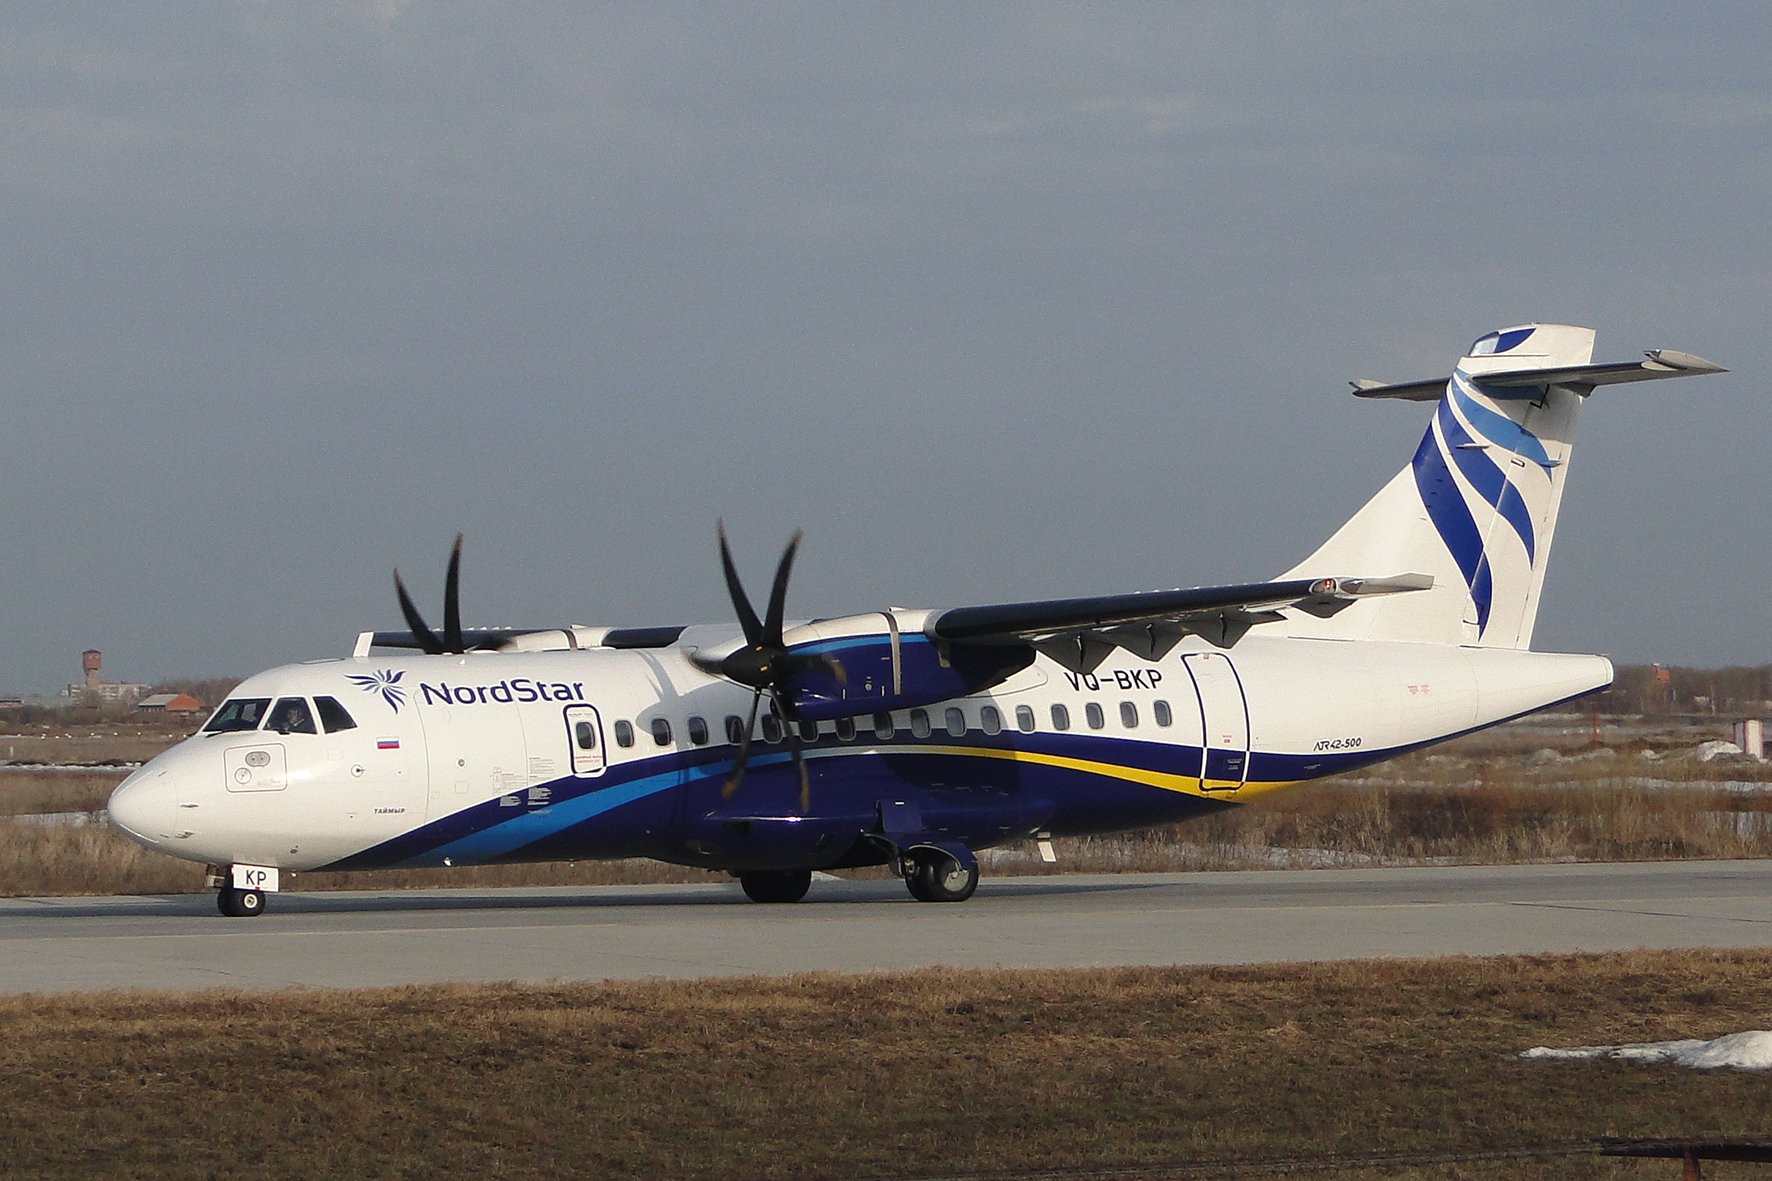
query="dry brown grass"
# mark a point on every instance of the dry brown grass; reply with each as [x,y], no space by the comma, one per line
[123,742]
[939,1072]
[24,791]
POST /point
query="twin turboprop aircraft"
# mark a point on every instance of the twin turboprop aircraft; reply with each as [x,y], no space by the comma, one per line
[915,738]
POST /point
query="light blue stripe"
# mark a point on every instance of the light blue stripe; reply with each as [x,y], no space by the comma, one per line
[1487,478]
[1498,428]
[527,826]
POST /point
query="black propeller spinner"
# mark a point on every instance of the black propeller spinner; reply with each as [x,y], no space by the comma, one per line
[428,641]
[764,664]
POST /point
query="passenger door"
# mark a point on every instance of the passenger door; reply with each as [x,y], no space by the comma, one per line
[1224,720]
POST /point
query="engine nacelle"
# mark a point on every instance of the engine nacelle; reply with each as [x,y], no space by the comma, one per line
[888,663]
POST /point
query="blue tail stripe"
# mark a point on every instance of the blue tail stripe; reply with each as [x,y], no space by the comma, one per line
[1452,518]
[1487,478]
[1497,428]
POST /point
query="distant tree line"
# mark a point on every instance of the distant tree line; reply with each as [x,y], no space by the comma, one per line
[1739,691]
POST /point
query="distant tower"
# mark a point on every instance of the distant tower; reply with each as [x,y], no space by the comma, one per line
[89,663]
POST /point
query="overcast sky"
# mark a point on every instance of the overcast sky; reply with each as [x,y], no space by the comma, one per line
[995,301]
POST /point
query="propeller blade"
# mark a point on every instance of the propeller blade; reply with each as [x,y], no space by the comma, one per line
[794,749]
[778,594]
[452,641]
[744,749]
[741,603]
[427,639]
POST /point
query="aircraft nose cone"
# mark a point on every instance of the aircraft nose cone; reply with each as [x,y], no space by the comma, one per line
[141,806]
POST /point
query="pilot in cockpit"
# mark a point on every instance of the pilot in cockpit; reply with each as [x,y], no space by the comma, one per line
[292,717]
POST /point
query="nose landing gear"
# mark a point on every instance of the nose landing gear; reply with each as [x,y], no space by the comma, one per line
[241,889]
[240,904]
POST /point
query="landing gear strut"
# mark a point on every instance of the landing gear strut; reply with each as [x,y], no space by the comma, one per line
[785,885]
[935,875]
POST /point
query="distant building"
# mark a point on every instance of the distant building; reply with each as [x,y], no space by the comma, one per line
[170,703]
[93,690]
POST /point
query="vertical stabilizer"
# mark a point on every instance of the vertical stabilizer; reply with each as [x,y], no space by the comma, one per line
[1477,506]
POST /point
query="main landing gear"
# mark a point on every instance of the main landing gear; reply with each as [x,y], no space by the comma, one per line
[936,875]
[785,885]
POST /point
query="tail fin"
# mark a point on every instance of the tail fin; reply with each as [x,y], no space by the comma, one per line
[1476,508]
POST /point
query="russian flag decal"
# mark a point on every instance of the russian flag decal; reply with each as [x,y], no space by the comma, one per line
[387,744]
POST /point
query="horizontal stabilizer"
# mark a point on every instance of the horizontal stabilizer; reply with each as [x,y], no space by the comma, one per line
[1659,363]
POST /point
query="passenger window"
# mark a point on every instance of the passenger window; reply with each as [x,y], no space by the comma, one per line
[771,728]
[1129,715]
[584,735]
[1024,718]
[242,713]
[808,731]
[920,723]
[734,729]
[333,716]
[1061,717]
[845,728]
[1092,711]
[291,715]
[956,720]
[661,731]
[1160,712]
[698,730]
[882,725]
[990,720]
[624,733]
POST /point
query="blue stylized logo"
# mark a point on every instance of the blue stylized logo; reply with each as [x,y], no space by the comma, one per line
[385,682]
[1448,444]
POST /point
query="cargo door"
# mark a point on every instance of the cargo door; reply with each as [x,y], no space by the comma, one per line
[476,753]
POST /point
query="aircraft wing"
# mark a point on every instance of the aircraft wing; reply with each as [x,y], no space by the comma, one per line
[533,639]
[1080,633]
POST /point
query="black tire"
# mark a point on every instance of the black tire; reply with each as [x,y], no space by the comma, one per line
[240,904]
[941,878]
[783,885]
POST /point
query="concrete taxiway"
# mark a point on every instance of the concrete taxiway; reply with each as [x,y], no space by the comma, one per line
[600,933]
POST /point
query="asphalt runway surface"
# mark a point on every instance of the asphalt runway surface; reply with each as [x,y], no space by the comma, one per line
[332,940]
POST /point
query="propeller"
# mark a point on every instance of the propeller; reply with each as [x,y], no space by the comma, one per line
[764,664]
[451,641]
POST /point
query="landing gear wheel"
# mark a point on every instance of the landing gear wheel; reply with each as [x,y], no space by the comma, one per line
[785,885]
[240,904]
[940,877]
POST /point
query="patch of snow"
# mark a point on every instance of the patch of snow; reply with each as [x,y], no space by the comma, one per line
[1751,1050]
[58,819]
[1717,749]
[102,765]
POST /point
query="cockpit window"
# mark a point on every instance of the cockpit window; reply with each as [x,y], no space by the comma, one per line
[291,715]
[333,715]
[239,713]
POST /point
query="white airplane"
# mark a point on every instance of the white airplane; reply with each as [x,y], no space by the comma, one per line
[915,738]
